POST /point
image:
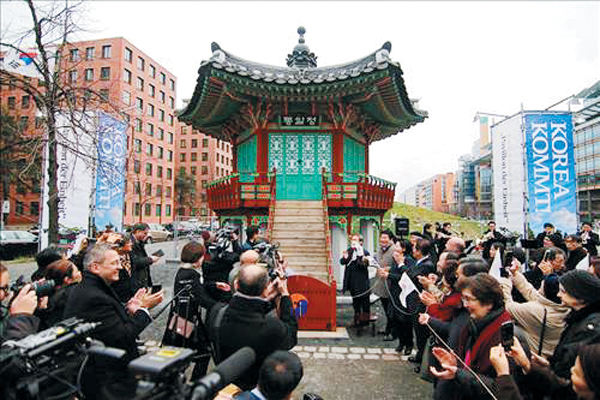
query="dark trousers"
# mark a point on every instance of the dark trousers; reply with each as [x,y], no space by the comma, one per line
[422,333]
[361,304]
[403,330]
[387,308]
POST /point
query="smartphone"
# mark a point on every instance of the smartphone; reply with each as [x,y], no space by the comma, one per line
[507,333]
[156,288]
[158,253]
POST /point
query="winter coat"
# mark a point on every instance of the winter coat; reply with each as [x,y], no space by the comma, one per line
[356,275]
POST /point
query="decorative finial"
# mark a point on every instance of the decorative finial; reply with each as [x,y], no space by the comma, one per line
[301,32]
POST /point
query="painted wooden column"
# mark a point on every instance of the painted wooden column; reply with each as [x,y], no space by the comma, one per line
[262,153]
[367,158]
[337,163]
[234,158]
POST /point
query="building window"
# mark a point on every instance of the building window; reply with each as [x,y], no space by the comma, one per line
[12,101]
[159,171]
[172,84]
[168,192]
[128,55]
[162,97]
[161,115]
[182,170]
[182,157]
[138,125]
[19,208]
[182,144]
[25,101]
[194,156]
[204,156]
[163,78]
[169,176]
[170,138]
[106,51]
[194,143]
[136,209]
[170,155]
[205,142]
[147,209]
[168,210]
[151,89]
[184,130]
[137,145]
[150,129]
[34,208]
[170,120]
[161,133]
[160,155]
[104,94]
[171,102]
[158,210]
[152,71]
[148,189]
[136,166]
[126,98]
[150,110]
[193,170]
[149,149]
[73,76]
[141,63]
[89,74]
[140,84]
[139,105]
[149,169]
[74,55]
[127,76]
[204,170]
[105,73]
[90,53]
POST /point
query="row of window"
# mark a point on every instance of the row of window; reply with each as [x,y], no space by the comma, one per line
[25,102]
[141,66]
[34,208]
[220,144]
[150,130]
[137,189]
[137,208]
[150,109]
[193,211]
[90,53]
[137,165]
[220,172]
[141,86]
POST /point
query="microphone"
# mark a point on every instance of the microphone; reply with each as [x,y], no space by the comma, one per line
[230,369]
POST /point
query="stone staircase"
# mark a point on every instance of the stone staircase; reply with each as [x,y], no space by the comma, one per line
[299,228]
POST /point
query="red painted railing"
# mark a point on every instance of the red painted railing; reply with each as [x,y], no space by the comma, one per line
[359,190]
[331,279]
[241,191]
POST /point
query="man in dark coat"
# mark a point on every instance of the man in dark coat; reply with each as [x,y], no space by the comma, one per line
[590,239]
[491,236]
[93,300]
[140,261]
[576,251]
[249,320]
[356,279]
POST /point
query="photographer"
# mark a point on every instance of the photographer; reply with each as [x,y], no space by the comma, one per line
[223,252]
[490,237]
[140,261]
[250,312]
[66,276]
[17,321]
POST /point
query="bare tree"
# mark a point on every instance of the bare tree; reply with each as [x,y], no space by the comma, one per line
[56,98]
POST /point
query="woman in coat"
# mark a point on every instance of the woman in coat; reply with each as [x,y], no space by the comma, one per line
[356,279]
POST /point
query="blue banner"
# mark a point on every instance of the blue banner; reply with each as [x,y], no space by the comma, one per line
[110,172]
[550,171]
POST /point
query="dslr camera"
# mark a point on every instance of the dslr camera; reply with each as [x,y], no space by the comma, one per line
[42,287]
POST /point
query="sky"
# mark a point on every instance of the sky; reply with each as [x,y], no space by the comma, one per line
[458,58]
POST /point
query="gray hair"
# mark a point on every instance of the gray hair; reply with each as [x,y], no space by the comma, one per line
[96,254]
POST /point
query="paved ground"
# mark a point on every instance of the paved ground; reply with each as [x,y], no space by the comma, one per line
[361,366]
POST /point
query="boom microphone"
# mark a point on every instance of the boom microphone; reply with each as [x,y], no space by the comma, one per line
[230,369]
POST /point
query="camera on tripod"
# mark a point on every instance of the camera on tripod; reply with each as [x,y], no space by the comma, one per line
[42,287]
[223,242]
[269,255]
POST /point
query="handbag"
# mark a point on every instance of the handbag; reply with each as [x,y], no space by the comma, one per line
[181,326]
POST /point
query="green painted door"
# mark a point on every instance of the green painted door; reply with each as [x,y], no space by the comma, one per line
[299,159]
[246,159]
[354,159]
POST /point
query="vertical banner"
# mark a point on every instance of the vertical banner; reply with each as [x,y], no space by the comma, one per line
[550,171]
[509,174]
[110,172]
[75,155]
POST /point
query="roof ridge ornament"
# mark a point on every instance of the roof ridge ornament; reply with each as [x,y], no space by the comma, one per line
[301,57]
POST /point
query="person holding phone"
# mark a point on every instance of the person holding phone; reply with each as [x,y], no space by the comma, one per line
[140,260]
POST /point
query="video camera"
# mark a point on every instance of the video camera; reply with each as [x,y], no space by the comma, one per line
[42,365]
[223,242]
[42,287]
[269,255]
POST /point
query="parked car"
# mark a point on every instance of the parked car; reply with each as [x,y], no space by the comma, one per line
[17,244]
[158,233]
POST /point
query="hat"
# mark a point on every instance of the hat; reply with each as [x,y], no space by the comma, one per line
[589,357]
[582,285]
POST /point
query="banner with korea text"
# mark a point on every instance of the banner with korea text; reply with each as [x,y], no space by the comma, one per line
[509,174]
[550,168]
[110,172]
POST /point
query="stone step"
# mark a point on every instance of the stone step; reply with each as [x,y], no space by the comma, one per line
[308,256]
[299,219]
[290,212]
[302,245]
[318,204]
[299,228]
[298,235]
[309,265]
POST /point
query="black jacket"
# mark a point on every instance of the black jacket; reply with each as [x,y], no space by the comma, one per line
[356,275]
[140,266]
[575,257]
[592,243]
[248,321]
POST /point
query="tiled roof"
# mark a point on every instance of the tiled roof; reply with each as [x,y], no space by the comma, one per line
[378,60]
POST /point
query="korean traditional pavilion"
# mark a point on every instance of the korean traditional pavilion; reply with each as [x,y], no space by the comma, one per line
[300,136]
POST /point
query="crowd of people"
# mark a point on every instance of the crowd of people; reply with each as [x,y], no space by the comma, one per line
[454,308]
[442,302]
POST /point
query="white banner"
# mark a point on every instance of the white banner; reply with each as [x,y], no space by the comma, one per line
[509,174]
[76,155]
